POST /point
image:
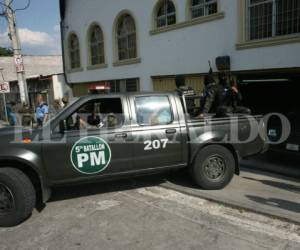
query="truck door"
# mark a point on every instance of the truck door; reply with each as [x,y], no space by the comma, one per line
[156,132]
[93,143]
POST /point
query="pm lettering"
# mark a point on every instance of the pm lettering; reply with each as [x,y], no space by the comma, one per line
[156,144]
[90,155]
[95,159]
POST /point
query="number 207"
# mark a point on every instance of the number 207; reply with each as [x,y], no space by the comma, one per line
[156,144]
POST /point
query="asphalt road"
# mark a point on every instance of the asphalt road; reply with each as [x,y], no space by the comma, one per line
[139,214]
[263,192]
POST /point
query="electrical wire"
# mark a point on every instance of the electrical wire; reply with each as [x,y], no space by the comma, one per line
[4,5]
[26,6]
[15,10]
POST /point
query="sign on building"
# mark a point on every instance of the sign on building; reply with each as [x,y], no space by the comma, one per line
[4,87]
[19,64]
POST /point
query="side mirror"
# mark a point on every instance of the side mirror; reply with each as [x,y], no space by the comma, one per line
[62,126]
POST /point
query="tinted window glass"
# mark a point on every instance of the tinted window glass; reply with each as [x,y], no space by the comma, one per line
[153,110]
[98,114]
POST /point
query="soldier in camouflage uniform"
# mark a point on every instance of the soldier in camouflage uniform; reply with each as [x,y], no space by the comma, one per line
[212,96]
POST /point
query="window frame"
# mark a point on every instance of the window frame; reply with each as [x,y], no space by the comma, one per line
[205,6]
[165,16]
[243,41]
[126,36]
[74,51]
[274,23]
[87,130]
[155,125]
[100,44]
[121,84]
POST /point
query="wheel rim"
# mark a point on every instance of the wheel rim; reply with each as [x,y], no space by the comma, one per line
[7,202]
[215,167]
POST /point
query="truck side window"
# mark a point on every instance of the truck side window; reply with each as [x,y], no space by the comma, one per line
[153,110]
[103,113]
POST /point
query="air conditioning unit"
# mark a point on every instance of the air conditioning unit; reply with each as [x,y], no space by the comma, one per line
[223,63]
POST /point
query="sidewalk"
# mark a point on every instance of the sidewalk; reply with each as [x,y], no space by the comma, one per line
[275,163]
[265,193]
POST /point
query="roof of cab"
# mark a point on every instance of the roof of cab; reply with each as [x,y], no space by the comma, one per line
[117,95]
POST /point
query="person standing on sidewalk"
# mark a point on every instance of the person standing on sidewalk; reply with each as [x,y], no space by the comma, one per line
[12,118]
[42,111]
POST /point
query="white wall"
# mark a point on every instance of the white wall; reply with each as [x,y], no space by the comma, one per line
[182,51]
[60,88]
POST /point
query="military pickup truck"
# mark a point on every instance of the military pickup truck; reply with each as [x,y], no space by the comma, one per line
[100,137]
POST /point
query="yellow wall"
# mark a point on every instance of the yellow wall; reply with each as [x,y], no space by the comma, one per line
[196,82]
[80,89]
[164,84]
[168,83]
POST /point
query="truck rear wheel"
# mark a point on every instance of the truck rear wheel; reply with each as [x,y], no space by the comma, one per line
[17,197]
[213,168]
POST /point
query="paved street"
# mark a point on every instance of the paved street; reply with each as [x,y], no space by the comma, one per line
[255,190]
[139,214]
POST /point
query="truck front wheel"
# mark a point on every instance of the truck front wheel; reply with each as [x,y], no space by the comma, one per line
[213,168]
[17,197]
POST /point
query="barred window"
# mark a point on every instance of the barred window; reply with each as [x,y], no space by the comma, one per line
[74,51]
[203,7]
[166,14]
[126,85]
[96,46]
[271,18]
[126,36]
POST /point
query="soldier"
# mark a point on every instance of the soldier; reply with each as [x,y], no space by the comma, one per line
[212,96]
[237,100]
[226,103]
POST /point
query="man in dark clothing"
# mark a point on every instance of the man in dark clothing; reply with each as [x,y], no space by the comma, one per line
[237,100]
[226,103]
[231,98]
[212,96]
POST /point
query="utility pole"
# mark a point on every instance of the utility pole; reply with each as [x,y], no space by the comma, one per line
[14,36]
[4,99]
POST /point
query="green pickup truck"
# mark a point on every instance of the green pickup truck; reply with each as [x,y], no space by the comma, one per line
[101,137]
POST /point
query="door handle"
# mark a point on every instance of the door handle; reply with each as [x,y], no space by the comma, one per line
[171,131]
[122,135]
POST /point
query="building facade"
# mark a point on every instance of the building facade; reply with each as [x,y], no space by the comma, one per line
[44,75]
[142,44]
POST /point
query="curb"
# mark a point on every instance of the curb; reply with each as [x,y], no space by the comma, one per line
[231,203]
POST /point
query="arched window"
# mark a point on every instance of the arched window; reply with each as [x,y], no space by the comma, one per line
[203,7]
[166,14]
[126,38]
[74,51]
[96,42]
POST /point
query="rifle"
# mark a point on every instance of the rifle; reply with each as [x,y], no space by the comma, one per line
[210,68]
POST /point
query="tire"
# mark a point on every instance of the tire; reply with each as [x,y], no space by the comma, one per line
[17,197]
[213,168]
